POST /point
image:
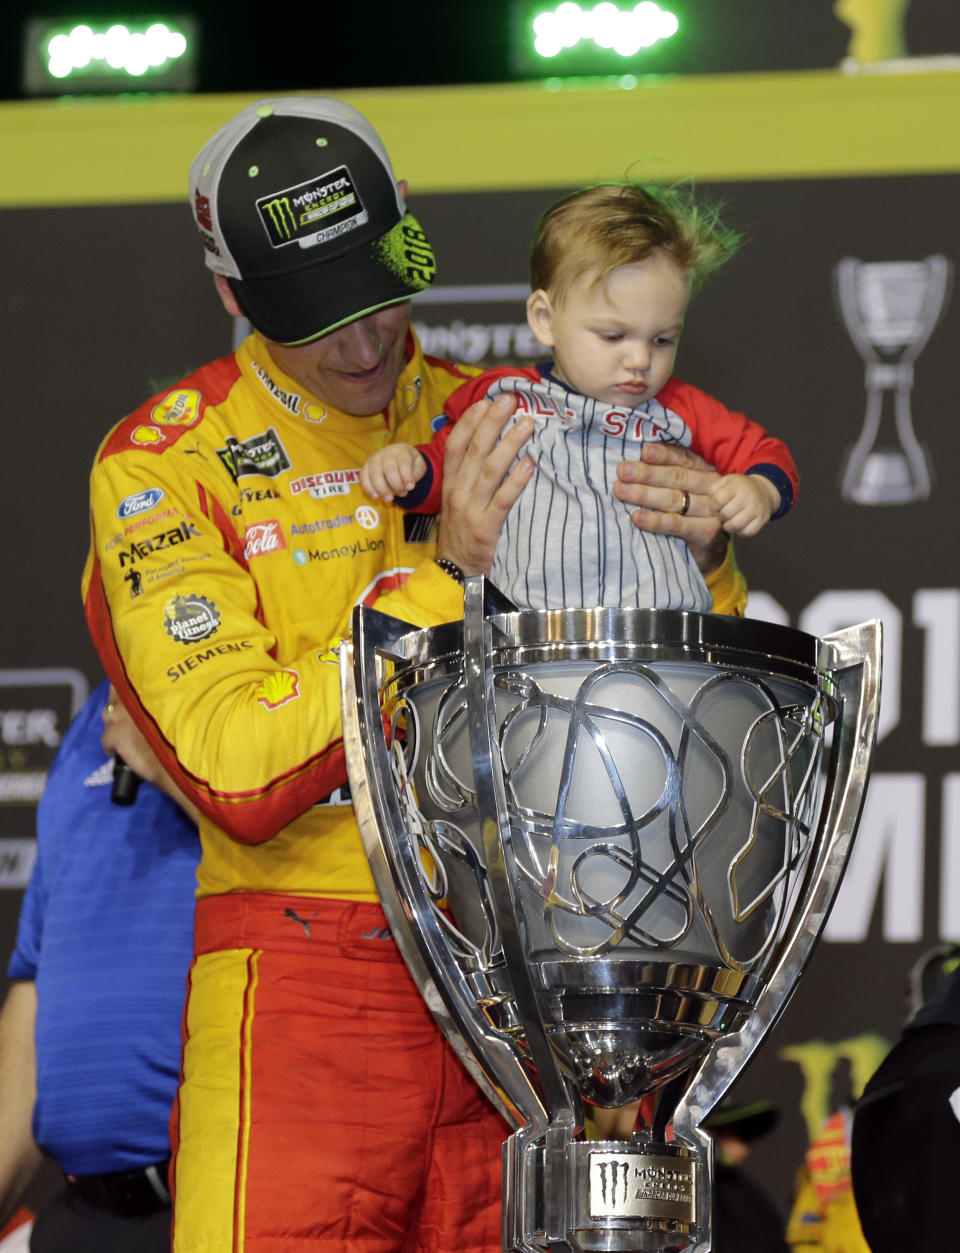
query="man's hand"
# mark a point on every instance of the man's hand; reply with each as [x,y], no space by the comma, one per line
[478,493]
[121,735]
[671,491]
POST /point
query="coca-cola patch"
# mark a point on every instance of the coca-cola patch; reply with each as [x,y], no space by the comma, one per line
[262,538]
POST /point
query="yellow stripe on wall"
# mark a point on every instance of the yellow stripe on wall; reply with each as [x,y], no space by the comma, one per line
[524,135]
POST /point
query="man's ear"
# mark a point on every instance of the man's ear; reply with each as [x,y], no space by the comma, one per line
[227,298]
[540,317]
[402,184]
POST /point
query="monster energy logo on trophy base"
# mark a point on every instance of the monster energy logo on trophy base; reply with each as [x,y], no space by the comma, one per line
[313,212]
[606,841]
[640,1185]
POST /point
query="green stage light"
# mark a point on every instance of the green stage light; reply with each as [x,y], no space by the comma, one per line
[61,56]
[604,38]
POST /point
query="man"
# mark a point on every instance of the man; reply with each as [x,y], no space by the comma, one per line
[89,1032]
[905,1147]
[320,1107]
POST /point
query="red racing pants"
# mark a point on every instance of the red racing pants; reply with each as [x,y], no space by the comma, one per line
[320,1106]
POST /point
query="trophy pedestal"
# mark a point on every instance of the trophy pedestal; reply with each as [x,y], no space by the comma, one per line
[616,1196]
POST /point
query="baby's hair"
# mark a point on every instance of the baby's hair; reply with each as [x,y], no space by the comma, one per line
[600,228]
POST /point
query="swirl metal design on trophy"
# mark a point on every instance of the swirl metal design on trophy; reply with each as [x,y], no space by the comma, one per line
[606,842]
[890,309]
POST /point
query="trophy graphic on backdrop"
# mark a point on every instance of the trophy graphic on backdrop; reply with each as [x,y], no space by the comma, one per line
[606,841]
[890,309]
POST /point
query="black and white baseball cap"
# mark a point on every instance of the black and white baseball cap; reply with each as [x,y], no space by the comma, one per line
[297,206]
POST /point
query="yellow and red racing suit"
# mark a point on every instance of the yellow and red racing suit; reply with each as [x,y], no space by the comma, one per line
[230,542]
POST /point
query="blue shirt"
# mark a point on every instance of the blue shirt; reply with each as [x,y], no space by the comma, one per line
[106,932]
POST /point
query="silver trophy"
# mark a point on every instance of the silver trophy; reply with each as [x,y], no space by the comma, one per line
[890,309]
[606,842]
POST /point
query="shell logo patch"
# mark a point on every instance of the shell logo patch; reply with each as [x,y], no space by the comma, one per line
[314,412]
[147,435]
[278,689]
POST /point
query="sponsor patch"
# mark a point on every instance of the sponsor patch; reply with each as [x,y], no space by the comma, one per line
[140,502]
[262,538]
[137,550]
[187,619]
[412,393]
[329,483]
[278,689]
[367,517]
[179,408]
[305,557]
[171,569]
[289,400]
[176,672]
[260,454]
[152,519]
[312,212]
[322,524]
[201,207]
[147,436]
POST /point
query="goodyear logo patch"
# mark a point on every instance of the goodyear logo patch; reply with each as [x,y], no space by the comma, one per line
[313,212]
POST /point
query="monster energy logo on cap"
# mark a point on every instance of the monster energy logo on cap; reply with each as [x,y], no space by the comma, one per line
[313,212]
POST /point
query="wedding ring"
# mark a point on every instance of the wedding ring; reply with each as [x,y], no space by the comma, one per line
[686,503]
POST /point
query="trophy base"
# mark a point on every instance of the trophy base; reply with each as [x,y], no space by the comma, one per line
[617,1196]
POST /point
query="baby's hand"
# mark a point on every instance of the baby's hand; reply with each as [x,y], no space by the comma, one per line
[393,471]
[744,503]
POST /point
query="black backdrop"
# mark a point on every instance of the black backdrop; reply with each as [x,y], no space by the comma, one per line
[103,305]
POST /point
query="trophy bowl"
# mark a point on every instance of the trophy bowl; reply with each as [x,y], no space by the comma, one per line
[606,841]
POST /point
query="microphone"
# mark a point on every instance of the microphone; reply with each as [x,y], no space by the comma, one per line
[125,782]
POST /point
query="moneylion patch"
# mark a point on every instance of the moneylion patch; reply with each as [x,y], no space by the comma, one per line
[190,618]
